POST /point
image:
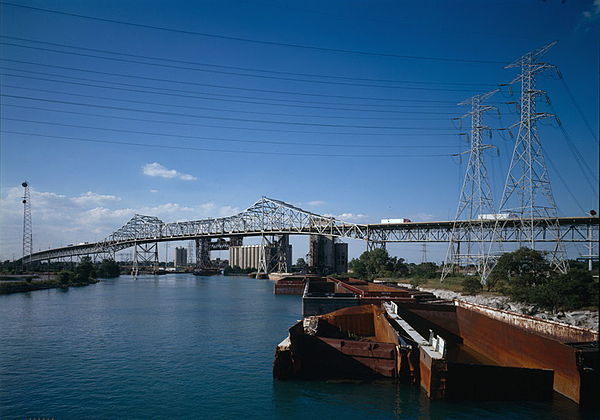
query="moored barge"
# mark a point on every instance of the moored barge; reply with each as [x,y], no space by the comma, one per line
[453,349]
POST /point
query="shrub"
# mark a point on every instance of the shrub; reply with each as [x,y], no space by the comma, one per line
[471,285]
[417,281]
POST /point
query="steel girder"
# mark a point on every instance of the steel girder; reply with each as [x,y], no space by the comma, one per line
[273,217]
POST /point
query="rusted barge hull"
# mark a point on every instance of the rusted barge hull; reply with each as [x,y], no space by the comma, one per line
[351,343]
[511,339]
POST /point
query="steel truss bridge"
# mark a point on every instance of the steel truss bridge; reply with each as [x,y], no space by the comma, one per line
[269,217]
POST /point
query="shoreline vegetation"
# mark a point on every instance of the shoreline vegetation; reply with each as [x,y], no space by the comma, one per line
[84,274]
[523,281]
[45,281]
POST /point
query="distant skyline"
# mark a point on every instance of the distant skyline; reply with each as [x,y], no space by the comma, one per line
[188,110]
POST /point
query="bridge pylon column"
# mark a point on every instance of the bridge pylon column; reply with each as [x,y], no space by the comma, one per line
[279,251]
[145,255]
[202,253]
[263,261]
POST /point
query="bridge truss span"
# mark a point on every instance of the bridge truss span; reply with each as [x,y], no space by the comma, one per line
[273,217]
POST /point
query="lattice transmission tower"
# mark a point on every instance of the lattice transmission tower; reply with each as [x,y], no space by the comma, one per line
[476,199]
[27,229]
[527,193]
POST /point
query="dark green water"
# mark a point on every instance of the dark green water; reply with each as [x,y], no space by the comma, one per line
[180,346]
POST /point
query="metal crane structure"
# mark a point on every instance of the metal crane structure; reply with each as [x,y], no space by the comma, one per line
[476,198]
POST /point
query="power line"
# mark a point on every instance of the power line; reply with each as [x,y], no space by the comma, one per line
[238,74]
[233,110]
[218,86]
[228,139]
[155,121]
[182,95]
[587,124]
[562,180]
[255,41]
[196,63]
[579,159]
[215,86]
[116,108]
[217,150]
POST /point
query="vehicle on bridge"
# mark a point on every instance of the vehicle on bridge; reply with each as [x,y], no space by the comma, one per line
[394,221]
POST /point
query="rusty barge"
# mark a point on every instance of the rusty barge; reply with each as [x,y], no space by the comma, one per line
[453,350]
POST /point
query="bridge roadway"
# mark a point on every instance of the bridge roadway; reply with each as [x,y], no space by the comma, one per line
[273,217]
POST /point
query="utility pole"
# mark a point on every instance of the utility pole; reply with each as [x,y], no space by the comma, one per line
[475,199]
[27,229]
[527,192]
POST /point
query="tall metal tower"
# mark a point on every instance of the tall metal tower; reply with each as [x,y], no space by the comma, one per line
[475,197]
[27,230]
[527,193]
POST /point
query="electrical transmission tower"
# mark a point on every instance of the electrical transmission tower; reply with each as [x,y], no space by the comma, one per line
[527,193]
[475,199]
[27,230]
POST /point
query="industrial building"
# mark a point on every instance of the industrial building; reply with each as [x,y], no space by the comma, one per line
[327,256]
[245,256]
[180,257]
[248,256]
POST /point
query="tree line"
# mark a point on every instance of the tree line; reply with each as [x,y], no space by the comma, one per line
[525,275]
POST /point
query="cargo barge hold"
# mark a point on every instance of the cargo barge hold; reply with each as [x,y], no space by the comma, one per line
[453,349]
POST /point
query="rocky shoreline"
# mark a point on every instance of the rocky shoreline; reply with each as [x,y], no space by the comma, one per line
[580,318]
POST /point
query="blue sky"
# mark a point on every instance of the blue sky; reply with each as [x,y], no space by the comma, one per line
[359,136]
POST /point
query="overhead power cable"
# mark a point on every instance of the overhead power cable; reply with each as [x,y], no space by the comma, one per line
[587,124]
[213,86]
[109,98]
[170,66]
[255,41]
[583,166]
[288,73]
[562,180]
[160,146]
[183,136]
[116,108]
[179,123]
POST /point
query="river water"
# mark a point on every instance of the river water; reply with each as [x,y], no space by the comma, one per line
[179,346]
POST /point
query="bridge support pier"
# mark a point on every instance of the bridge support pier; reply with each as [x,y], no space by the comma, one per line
[275,254]
[202,254]
[145,255]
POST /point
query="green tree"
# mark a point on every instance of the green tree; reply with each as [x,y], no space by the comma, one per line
[426,270]
[301,265]
[521,268]
[85,271]
[109,269]
[526,276]
[471,285]
[377,263]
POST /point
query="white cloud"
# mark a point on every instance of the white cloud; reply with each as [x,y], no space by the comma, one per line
[348,217]
[59,220]
[594,11]
[156,169]
[93,198]
[153,191]
[315,203]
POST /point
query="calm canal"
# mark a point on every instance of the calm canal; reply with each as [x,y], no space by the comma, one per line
[179,346]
